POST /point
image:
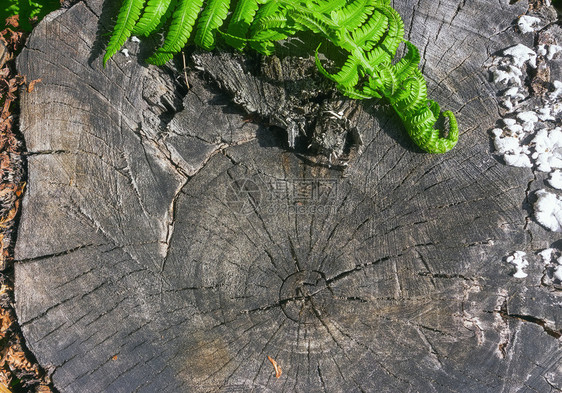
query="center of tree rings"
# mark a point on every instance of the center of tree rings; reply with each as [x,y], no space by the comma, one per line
[305,296]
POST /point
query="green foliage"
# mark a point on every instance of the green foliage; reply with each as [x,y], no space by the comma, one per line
[212,18]
[242,17]
[155,13]
[28,10]
[183,19]
[126,20]
[369,32]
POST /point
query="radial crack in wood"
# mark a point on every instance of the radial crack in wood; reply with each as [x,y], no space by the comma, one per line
[173,245]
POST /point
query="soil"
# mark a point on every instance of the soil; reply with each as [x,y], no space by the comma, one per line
[19,371]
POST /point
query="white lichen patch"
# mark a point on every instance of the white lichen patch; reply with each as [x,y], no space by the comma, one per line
[125,52]
[555,179]
[521,54]
[530,133]
[508,74]
[528,24]
[528,119]
[548,149]
[546,255]
[508,143]
[518,260]
[545,113]
[548,210]
[509,146]
[553,265]
[548,51]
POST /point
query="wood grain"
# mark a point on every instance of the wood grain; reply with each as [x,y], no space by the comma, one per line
[170,244]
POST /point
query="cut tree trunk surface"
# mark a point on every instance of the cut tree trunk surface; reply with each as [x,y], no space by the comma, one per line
[171,243]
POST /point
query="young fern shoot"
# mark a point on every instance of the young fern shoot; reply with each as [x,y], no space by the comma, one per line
[369,31]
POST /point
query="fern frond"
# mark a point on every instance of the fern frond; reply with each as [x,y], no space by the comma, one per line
[153,16]
[128,15]
[269,25]
[268,9]
[268,30]
[211,19]
[240,21]
[346,78]
[429,138]
[395,32]
[354,14]
[315,24]
[420,120]
[359,95]
[378,56]
[367,32]
[183,20]
[389,79]
[348,75]
[323,6]
[408,63]
[413,94]
[435,108]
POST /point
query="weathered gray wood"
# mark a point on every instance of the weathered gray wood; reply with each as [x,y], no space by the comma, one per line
[176,255]
[291,94]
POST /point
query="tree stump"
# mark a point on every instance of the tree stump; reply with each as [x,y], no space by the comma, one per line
[168,243]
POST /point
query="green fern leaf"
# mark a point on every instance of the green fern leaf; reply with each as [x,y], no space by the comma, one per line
[323,6]
[240,21]
[268,9]
[413,94]
[359,95]
[395,32]
[408,63]
[183,20]
[269,29]
[153,16]
[378,57]
[435,108]
[312,22]
[272,25]
[347,77]
[421,120]
[211,19]
[354,14]
[369,34]
[388,79]
[128,15]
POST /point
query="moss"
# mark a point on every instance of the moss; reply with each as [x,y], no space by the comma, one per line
[29,11]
